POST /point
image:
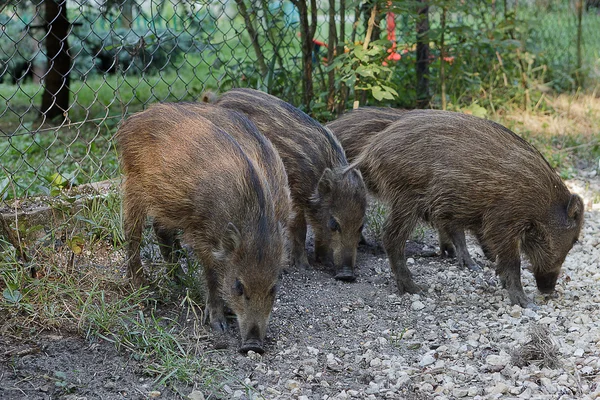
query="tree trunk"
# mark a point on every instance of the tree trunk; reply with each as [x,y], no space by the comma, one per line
[330,55]
[423,55]
[126,19]
[260,58]
[443,57]
[55,100]
[578,74]
[307,46]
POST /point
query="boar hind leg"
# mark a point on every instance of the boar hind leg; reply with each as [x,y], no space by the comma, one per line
[215,306]
[169,247]
[133,223]
[509,271]
[298,232]
[446,246]
[486,249]
[397,229]
[462,253]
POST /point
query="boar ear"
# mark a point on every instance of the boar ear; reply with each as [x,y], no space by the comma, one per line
[575,207]
[326,181]
[232,238]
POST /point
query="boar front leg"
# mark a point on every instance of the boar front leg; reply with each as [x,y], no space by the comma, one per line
[397,229]
[298,232]
[509,271]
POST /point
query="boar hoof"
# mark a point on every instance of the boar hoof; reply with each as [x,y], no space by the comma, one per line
[408,287]
[219,326]
[472,266]
[253,345]
[345,275]
[522,300]
[447,252]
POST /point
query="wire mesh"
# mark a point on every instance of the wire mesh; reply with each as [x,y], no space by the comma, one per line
[70,70]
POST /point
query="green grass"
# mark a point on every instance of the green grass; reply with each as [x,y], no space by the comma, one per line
[78,288]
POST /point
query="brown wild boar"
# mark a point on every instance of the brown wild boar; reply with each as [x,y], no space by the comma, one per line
[325,193]
[460,173]
[356,128]
[257,147]
[190,175]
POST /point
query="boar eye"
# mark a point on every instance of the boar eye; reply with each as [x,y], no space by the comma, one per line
[238,288]
[334,225]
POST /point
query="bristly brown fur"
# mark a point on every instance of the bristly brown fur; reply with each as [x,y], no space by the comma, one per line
[188,173]
[355,128]
[332,202]
[461,173]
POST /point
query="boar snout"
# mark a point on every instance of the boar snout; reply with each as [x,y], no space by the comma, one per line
[252,345]
[346,271]
[252,341]
[546,282]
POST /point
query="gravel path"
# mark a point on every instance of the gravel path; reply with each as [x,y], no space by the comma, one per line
[460,339]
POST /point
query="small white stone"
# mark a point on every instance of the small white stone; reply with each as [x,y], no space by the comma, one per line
[417,305]
[403,379]
[458,392]
[410,260]
[376,362]
[292,384]
[578,353]
[373,388]
[496,360]
[427,359]
[196,395]
[500,388]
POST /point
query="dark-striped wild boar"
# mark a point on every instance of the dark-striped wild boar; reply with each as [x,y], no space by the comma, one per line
[460,173]
[325,193]
[356,128]
[190,175]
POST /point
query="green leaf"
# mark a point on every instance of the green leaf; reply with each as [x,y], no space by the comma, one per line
[76,244]
[4,187]
[377,93]
[12,296]
[476,110]
[60,375]
[365,71]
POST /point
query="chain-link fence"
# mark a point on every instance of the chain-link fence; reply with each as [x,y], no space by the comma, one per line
[71,70]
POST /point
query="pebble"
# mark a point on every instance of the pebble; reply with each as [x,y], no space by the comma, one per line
[497,360]
[417,305]
[460,392]
[427,359]
[499,388]
[196,395]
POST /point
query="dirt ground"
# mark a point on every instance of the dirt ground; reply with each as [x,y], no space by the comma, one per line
[334,340]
